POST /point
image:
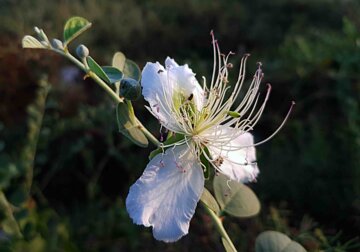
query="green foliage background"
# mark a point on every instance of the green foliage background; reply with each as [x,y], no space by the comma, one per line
[310,176]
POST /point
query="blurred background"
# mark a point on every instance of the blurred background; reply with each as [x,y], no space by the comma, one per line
[61,130]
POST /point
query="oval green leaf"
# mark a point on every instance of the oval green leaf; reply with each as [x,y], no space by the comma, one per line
[118,61]
[129,68]
[128,124]
[210,201]
[31,42]
[273,241]
[235,198]
[96,69]
[112,73]
[132,70]
[74,27]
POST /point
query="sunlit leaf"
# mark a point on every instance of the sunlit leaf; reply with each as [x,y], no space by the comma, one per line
[112,73]
[235,198]
[118,61]
[210,201]
[128,67]
[74,27]
[31,42]
[128,124]
[273,241]
[95,68]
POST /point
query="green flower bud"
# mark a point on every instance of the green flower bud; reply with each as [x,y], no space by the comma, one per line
[41,35]
[37,30]
[130,89]
[57,44]
[82,51]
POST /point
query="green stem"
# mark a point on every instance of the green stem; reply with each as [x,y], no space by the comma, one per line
[28,153]
[99,81]
[113,95]
[219,226]
[148,134]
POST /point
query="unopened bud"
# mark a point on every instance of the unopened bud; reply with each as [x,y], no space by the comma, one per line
[82,51]
[37,30]
[57,44]
[41,34]
[130,89]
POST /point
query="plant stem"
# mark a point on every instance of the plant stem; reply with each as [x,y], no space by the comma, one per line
[35,118]
[99,81]
[219,226]
[147,133]
[113,94]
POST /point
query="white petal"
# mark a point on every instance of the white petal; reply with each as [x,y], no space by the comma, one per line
[158,91]
[238,164]
[166,195]
[160,85]
[169,63]
[185,81]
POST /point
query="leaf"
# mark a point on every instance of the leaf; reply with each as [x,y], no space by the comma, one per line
[273,241]
[293,247]
[210,201]
[132,70]
[112,73]
[128,67]
[31,42]
[127,123]
[227,246]
[235,198]
[74,27]
[118,61]
[95,68]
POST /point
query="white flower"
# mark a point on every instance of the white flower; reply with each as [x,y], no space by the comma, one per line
[214,123]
